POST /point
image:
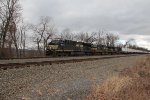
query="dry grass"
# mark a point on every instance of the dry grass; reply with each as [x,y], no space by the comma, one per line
[132,84]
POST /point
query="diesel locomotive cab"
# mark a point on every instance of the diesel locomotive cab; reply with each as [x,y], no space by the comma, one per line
[53,46]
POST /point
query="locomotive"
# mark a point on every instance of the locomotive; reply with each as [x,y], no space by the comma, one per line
[60,47]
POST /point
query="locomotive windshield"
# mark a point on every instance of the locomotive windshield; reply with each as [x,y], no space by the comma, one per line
[55,42]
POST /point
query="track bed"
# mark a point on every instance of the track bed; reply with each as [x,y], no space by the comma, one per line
[21,63]
[60,81]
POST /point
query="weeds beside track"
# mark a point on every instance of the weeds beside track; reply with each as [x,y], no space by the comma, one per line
[131,84]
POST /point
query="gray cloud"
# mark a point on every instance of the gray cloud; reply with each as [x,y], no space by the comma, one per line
[128,17]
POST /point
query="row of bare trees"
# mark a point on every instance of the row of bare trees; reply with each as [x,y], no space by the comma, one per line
[12,29]
[101,37]
[13,32]
[9,17]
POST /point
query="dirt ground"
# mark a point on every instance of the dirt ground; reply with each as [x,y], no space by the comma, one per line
[71,81]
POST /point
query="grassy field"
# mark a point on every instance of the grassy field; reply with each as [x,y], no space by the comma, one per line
[131,84]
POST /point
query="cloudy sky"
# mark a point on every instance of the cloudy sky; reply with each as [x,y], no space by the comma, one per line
[129,18]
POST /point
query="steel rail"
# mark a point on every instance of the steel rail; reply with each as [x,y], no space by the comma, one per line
[42,63]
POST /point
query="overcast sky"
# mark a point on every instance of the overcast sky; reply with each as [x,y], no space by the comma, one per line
[129,18]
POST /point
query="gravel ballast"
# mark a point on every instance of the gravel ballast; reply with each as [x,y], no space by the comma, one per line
[60,81]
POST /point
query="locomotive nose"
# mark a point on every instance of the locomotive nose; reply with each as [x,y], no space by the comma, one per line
[53,47]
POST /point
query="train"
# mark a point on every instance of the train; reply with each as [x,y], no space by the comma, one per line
[62,47]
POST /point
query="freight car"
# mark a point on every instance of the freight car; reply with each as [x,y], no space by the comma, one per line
[60,47]
[132,51]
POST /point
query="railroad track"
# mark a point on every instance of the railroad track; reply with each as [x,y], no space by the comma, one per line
[5,66]
[25,58]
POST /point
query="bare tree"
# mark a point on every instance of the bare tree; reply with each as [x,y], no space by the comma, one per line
[44,30]
[1,35]
[23,28]
[100,37]
[67,34]
[86,37]
[80,36]
[9,14]
[130,43]
[111,39]
[9,11]
[49,32]
[14,37]
[90,38]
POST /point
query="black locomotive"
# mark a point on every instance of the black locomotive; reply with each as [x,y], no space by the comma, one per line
[60,47]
